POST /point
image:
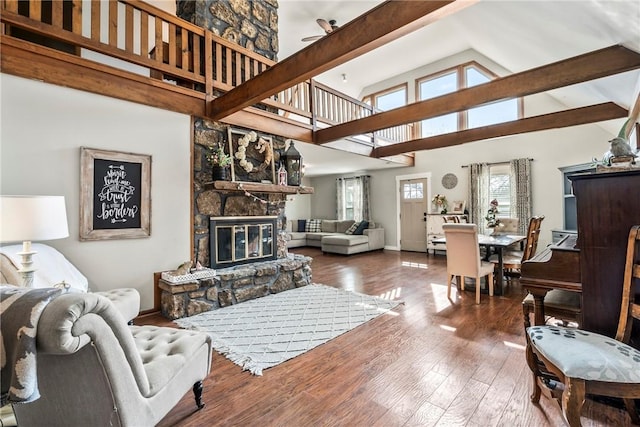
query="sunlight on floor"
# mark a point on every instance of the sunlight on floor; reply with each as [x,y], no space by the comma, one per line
[514,345]
[392,294]
[439,292]
[414,264]
[381,310]
[448,328]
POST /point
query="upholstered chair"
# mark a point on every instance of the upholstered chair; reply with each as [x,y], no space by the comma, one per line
[54,269]
[588,363]
[95,370]
[463,257]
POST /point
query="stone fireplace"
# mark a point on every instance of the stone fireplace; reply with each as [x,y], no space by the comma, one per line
[239,240]
[236,232]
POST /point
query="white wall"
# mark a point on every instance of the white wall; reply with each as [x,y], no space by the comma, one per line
[43,128]
[299,206]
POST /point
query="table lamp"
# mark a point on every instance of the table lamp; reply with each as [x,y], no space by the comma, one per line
[27,218]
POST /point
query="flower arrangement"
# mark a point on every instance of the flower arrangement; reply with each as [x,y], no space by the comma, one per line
[217,157]
[440,200]
[492,221]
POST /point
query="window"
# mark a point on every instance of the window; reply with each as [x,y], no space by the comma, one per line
[461,77]
[353,198]
[500,189]
[432,88]
[413,191]
[349,189]
[388,99]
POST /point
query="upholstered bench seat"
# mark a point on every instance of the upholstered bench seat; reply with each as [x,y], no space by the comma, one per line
[587,355]
[166,352]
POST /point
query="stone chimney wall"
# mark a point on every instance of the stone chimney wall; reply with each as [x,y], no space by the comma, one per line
[252,24]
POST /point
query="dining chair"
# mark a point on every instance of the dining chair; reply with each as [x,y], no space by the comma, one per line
[451,219]
[463,257]
[507,226]
[589,363]
[512,260]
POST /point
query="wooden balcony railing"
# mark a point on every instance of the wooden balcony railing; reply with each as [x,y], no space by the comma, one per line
[128,34]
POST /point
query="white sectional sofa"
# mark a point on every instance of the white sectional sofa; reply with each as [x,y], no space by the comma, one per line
[332,236]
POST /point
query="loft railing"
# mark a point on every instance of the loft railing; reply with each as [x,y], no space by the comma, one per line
[190,57]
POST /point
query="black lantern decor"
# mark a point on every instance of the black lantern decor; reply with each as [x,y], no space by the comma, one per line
[293,162]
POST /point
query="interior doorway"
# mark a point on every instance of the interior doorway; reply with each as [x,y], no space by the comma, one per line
[414,202]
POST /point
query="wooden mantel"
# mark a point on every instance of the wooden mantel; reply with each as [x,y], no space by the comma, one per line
[257,187]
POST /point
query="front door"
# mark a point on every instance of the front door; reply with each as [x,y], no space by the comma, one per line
[413,215]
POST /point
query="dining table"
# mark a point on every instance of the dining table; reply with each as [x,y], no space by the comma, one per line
[494,244]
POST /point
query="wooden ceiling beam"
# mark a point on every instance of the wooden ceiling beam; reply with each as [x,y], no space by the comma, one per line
[600,63]
[382,24]
[561,119]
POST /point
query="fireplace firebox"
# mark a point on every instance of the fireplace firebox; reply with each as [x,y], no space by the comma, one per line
[236,240]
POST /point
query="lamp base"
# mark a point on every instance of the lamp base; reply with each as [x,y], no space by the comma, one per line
[27,270]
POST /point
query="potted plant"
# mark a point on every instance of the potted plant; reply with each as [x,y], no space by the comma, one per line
[220,162]
[492,221]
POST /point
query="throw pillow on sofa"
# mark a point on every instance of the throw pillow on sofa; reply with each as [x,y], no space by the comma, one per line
[313,226]
[362,225]
[353,228]
[302,225]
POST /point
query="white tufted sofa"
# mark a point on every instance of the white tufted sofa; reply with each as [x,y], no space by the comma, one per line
[53,268]
[95,370]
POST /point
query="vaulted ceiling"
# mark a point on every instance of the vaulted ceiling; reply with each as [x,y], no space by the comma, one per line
[518,35]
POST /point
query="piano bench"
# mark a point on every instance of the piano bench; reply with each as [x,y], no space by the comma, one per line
[560,304]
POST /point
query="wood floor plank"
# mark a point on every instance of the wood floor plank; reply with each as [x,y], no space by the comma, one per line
[431,362]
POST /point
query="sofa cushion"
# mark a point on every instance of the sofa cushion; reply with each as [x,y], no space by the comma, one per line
[352,229]
[343,226]
[313,226]
[328,226]
[361,227]
[345,240]
[297,235]
[318,236]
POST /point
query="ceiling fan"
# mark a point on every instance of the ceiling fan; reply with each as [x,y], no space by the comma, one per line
[327,26]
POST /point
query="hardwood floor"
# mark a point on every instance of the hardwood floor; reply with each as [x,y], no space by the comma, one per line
[430,362]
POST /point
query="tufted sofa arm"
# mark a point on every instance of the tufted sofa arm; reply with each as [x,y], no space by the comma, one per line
[74,320]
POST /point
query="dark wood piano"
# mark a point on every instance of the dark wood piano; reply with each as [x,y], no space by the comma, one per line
[608,205]
[556,267]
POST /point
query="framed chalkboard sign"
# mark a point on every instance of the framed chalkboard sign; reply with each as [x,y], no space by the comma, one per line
[115,195]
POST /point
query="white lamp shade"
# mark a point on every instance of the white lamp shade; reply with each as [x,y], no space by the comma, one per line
[27,218]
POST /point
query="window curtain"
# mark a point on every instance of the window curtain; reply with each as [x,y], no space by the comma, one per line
[340,199]
[478,194]
[361,197]
[520,171]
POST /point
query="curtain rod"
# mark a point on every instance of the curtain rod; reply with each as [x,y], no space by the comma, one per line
[494,163]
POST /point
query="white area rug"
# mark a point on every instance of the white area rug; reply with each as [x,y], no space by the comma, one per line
[267,331]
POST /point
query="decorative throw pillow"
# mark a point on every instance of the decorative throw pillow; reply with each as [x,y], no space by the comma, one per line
[302,225]
[353,228]
[314,226]
[361,227]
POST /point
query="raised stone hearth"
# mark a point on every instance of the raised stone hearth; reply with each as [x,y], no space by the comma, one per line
[234,285]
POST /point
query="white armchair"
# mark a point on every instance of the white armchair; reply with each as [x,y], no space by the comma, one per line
[53,268]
